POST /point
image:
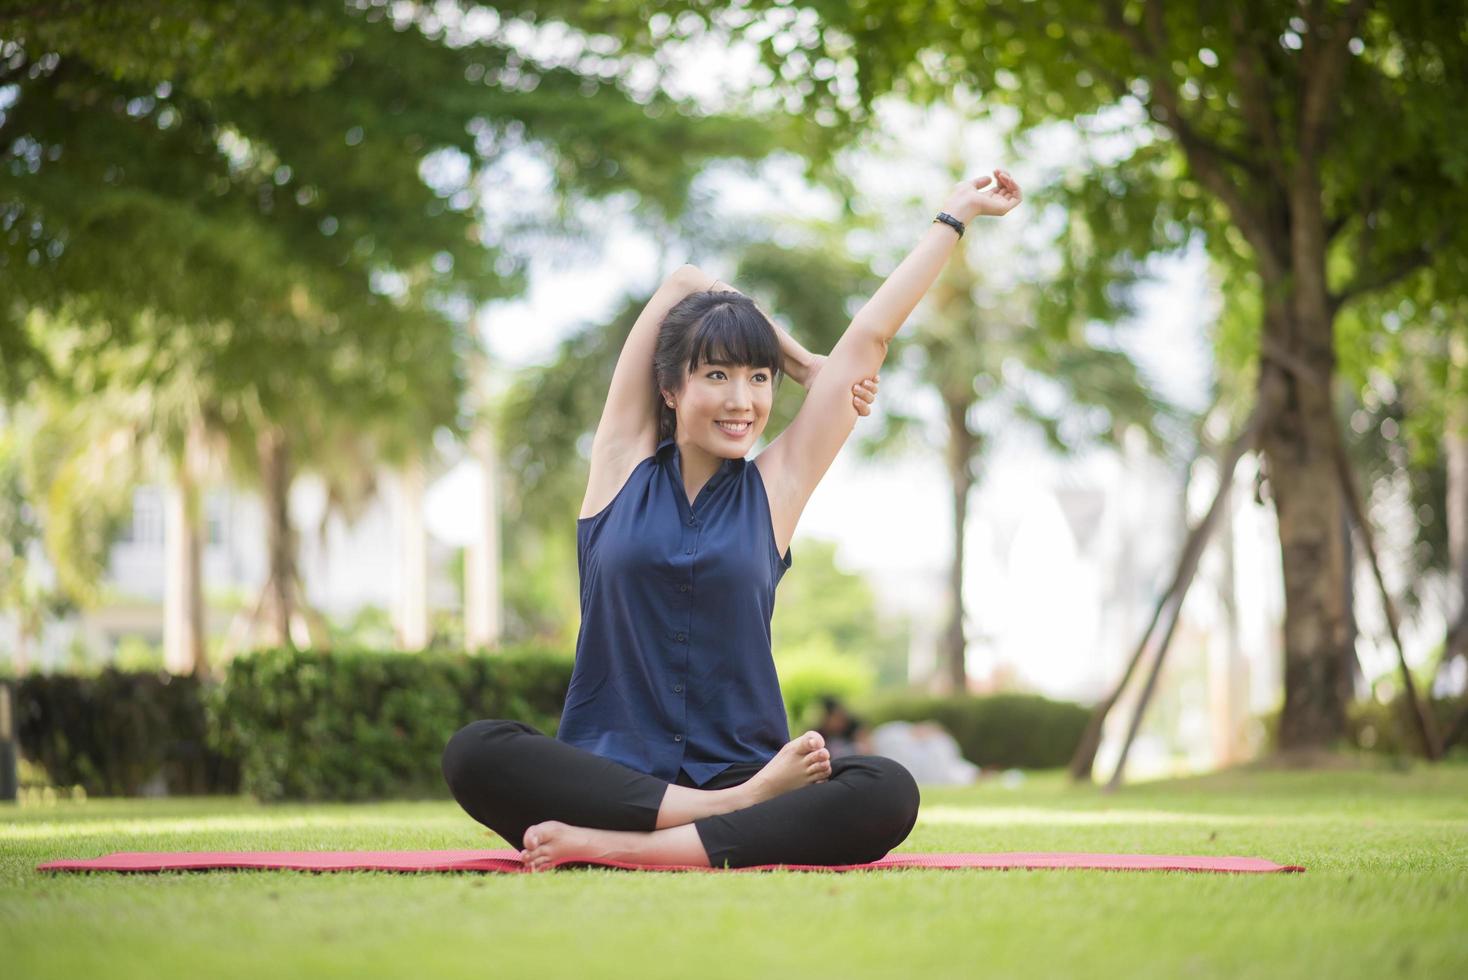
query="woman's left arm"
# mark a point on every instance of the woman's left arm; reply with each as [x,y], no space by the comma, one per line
[794,463]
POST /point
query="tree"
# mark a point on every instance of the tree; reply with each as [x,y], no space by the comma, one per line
[1259,129]
[305,220]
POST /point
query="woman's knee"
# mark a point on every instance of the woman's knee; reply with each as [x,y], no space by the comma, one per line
[474,751]
[895,799]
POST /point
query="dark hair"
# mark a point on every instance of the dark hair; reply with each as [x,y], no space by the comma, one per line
[709,326]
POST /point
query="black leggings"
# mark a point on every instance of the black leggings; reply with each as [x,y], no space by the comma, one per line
[509,776]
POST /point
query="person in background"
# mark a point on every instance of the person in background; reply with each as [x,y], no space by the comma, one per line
[845,734]
[924,748]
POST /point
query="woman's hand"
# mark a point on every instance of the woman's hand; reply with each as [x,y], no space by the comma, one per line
[995,196]
[863,393]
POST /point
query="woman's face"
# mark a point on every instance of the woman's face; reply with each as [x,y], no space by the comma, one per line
[723,408]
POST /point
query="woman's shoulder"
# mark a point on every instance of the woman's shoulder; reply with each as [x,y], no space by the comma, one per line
[600,500]
[612,466]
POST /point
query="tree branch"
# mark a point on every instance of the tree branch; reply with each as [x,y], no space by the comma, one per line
[1204,156]
[1259,115]
[1391,270]
[1323,62]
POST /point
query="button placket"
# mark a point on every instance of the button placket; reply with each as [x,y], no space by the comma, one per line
[683,628]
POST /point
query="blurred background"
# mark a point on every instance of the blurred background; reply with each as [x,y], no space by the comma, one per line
[308,312]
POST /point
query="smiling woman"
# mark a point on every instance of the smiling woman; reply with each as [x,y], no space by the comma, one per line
[673,747]
[716,365]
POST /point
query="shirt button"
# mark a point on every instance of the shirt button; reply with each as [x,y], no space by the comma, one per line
[681,637]
[683,587]
[677,738]
[677,688]
[692,522]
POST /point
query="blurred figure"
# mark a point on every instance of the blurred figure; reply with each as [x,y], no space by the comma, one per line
[924,748]
[845,734]
[927,750]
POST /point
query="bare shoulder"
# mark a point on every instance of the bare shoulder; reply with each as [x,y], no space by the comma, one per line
[612,462]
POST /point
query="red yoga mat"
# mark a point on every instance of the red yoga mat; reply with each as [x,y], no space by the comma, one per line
[509,861]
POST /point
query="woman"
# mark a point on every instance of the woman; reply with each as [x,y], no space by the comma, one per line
[672,748]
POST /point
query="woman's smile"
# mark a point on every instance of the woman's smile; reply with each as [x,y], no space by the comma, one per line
[736,429]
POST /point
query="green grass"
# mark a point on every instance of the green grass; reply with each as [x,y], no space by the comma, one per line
[1386,893]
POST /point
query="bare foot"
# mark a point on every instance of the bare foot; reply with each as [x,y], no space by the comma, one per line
[800,762]
[552,842]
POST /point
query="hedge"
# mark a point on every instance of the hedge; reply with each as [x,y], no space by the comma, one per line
[113,733]
[1006,731]
[361,726]
[283,724]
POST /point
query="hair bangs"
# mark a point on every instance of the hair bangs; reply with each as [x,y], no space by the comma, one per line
[734,334]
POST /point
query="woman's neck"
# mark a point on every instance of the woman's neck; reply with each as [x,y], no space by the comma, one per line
[698,467]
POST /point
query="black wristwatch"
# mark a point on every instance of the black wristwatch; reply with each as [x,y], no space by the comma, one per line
[950,221]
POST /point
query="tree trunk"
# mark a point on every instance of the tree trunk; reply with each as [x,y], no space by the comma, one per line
[1083,761]
[483,621]
[184,651]
[962,446]
[276,475]
[1297,443]
[412,619]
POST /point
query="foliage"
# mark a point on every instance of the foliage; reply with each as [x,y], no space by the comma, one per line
[1391,728]
[368,725]
[116,731]
[828,614]
[1022,731]
[22,592]
[301,223]
[815,669]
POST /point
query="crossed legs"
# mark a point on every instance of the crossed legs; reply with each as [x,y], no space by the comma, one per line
[558,803]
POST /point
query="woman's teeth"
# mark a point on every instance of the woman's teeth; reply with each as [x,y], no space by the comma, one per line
[734,428]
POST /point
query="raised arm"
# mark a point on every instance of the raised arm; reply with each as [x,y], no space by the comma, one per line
[628,430]
[794,463]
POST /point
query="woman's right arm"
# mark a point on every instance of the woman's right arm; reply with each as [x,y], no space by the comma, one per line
[628,430]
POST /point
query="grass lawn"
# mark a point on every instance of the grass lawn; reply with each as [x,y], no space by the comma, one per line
[1386,892]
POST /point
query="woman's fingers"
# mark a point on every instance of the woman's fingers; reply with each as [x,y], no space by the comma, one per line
[863,393]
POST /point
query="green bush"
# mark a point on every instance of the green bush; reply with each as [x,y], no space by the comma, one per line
[112,732]
[362,725]
[1391,729]
[815,669]
[1023,731]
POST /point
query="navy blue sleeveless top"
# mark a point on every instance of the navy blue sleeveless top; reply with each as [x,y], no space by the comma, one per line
[673,662]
